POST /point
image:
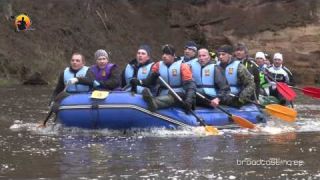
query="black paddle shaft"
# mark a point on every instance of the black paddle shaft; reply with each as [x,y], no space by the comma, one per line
[201,121]
[48,117]
[220,108]
[58,98]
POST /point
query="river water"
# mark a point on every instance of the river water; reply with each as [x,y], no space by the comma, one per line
[279,151]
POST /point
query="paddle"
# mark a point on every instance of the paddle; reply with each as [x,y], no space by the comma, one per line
[309,91]
[237,119]
[283,89]
[57,99]
[286,91]
[277,110]
[209,129]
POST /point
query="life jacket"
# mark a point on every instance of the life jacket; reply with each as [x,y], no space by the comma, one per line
[172,75]
[142,73]
[75,88]
[102,74]
[231,73]
[189,62]
[204,78]
[279,74]
[263,82]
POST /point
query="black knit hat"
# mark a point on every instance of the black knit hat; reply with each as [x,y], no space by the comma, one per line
[146,47]
[168,49]
[226,49]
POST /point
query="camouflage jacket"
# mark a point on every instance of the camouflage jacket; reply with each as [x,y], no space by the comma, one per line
[246,83]
[253,68]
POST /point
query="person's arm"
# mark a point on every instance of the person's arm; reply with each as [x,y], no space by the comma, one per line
[222,86]
[59,87]
[87,79]
[246,82]
[291,80]
[153,76]
[255,72]
[113,80]
[188,84]
[123,78]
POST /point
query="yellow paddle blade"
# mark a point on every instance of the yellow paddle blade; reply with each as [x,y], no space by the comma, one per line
[243,122]
[210,130]
[99,94]
[282,112]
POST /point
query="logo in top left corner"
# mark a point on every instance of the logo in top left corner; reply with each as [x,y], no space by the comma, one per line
[22,22]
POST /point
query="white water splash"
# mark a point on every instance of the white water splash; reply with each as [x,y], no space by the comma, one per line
[35,128]
[272,127]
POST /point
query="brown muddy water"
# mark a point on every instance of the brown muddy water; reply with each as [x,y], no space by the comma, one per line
[280,151]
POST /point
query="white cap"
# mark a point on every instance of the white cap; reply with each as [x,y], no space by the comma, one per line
[277,56]
[260,55]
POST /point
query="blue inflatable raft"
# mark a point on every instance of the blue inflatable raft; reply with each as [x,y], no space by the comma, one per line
[123,110]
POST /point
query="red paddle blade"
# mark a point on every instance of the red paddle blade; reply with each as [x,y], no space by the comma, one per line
[311,91]
[286,91]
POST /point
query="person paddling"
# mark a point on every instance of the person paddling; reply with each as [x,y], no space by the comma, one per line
[242,54]
[279,73]
[76,77]
[239,78]
[175,73]
[210,80]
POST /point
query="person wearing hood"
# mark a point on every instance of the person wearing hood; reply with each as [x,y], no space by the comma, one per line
[138,68]
[177,74]
[106,73]
[239,78]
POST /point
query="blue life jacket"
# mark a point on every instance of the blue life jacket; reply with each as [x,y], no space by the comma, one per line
[143,73]
[190,61]
[231,73]
[172,76]
[204,78]
[75,88]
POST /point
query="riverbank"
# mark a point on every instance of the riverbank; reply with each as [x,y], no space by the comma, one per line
[60,28]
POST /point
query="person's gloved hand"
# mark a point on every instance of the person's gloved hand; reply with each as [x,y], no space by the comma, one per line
[187,106]
[72,81]
[135,82]
[241,100]
[96,83]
